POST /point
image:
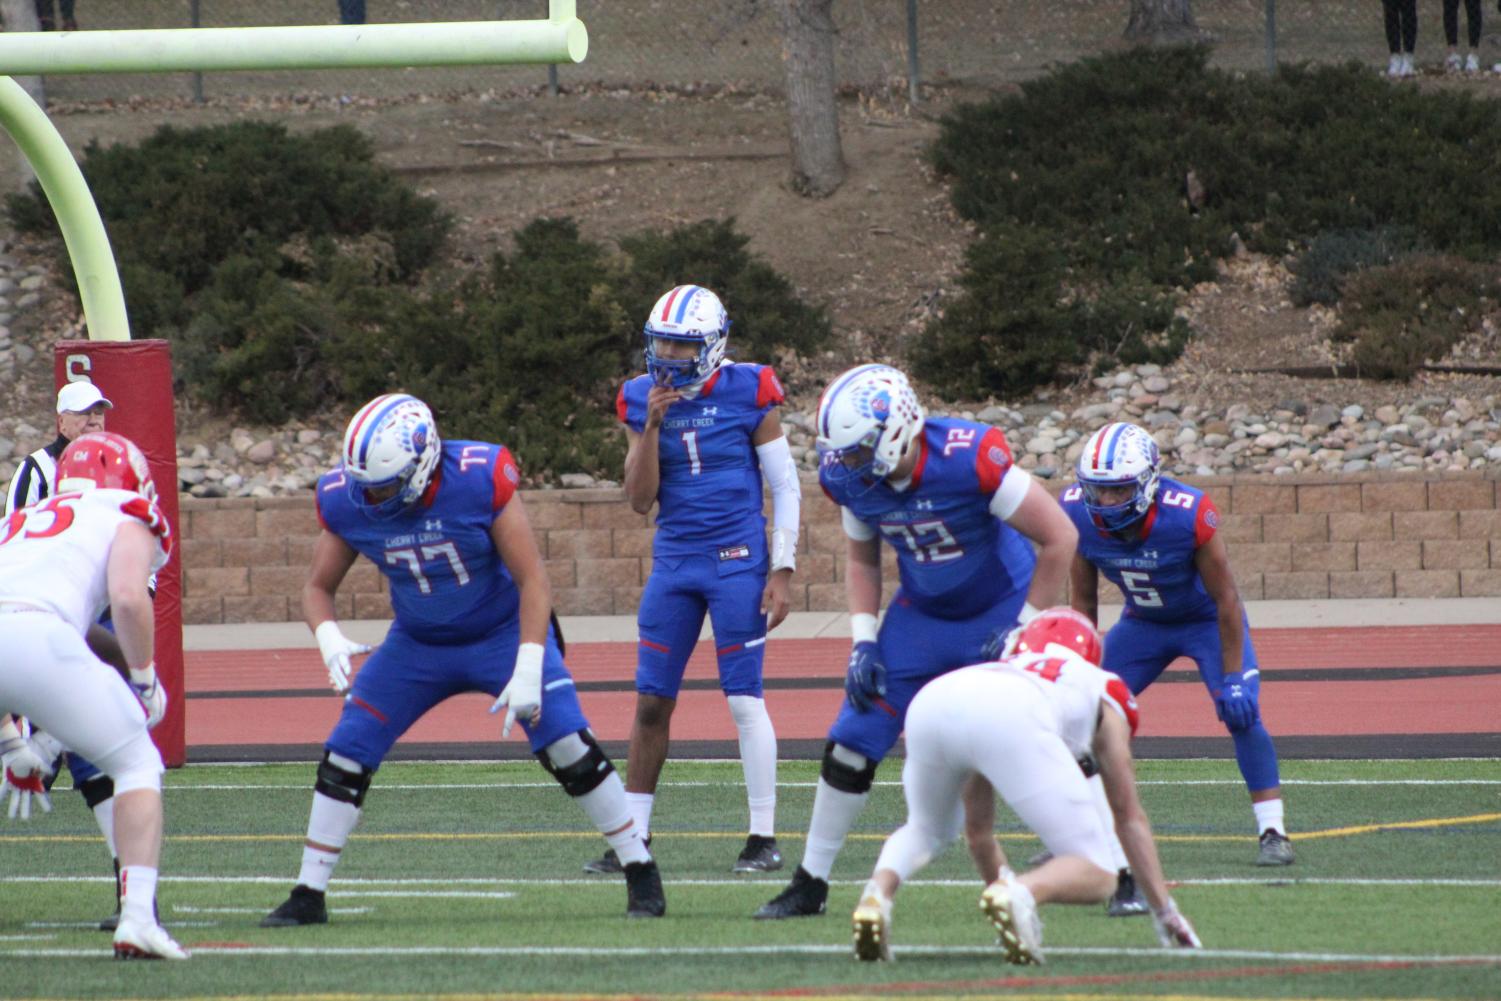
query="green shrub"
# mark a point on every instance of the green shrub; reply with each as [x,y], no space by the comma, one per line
[1405,314]
[1095,157]
[291,274]
[1319,273]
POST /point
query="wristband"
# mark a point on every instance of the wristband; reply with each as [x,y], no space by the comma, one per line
[863,627]
[1028,613]
[529,658]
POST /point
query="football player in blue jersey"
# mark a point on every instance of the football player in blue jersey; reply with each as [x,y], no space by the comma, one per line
[1156,539]
[444,524]
[944,494]
[703,434]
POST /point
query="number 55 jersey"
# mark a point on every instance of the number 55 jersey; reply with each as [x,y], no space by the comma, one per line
[1155,570]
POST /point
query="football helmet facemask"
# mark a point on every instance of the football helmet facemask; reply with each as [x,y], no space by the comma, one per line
[391,451]
[104,459]
[690,314]
[1119,455]
[1063,627]
[868,418]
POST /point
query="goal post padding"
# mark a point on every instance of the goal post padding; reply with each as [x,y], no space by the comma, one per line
[136,376]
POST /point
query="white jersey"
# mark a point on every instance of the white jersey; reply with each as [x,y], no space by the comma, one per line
[1074,689]
[54,555]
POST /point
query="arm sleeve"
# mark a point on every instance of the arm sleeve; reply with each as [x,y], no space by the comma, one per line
[507,476]
[786,500]
[1206,521]
[854,527]
[1008,496]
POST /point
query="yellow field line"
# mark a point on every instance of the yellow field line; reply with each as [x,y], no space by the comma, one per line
[1333,832]
[735,996]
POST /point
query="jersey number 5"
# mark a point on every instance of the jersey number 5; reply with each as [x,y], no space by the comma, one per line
[1139,588]
[58,511]
[396,557]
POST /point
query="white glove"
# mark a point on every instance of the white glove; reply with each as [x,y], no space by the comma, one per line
[337,649]
[25,772]
[1173,929]
[151,692]
[523,696]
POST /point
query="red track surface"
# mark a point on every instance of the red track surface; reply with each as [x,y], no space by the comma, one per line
[1367,703]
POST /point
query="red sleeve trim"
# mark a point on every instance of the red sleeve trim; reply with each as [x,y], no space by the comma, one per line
[151,516]
[992,459]
[1117,692]
[1206,522]
[620,404]
[507,477]
[769,390]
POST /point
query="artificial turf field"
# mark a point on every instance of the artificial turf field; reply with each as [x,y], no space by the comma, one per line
[465,880]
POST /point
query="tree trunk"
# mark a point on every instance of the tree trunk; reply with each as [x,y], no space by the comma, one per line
[20,15]
[813,115]
[1162,22]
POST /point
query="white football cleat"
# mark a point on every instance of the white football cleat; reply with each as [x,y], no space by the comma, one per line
[138,940]
[872,924]
[1013,914]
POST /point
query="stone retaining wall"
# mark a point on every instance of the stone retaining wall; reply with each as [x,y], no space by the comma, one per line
[1349,536]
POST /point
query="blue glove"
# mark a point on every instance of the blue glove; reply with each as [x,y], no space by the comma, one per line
[1001,643]
[865,679]
[1235,702]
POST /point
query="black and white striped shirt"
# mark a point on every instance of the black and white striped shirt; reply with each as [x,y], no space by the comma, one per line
[33,481]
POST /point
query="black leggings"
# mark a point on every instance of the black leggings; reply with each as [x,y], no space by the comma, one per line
[1451,22]
[1402,24]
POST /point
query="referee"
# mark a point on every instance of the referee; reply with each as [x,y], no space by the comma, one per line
[80,408]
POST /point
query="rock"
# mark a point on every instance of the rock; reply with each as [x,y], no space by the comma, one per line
[1325,415]
[1042,445]
[1156,384]
[261,452]
[308,436]
[576,480]
[1387,414]
[1355,466]
[190,475]
[1354,411]
[32,282]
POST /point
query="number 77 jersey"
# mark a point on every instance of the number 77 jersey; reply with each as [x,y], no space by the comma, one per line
[1154,568]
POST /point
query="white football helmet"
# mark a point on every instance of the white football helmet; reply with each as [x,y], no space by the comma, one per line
[1117,455]
[693,314]
[391,442]
[867,420]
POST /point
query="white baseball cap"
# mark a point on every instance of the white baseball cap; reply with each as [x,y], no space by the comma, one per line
[76,397]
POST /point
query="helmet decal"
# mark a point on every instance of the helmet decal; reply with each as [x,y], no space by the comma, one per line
[1119,455]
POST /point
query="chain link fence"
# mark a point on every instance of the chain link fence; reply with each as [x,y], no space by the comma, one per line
[736,44]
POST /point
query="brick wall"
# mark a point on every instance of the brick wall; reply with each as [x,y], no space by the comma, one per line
[1356,536]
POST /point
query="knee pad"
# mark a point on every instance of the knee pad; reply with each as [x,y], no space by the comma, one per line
[342,779]
[96,790]
[846,770]
[584,772]
[136,765]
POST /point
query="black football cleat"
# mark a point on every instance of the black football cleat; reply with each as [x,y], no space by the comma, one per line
[804,897]
[643,890]
[304,907]
[607,864]
[760,854]
[1275,849]
[1127,900]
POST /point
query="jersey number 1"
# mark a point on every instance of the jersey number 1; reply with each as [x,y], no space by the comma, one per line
[690,442]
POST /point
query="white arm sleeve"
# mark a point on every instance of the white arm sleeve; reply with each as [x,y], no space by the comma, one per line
[1008,496]
[786,501]
[854,527]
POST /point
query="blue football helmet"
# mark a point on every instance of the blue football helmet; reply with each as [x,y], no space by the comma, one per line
[692,314]
[392,442]
[1118,455]
[868,418]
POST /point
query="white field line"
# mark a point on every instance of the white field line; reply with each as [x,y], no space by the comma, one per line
[1186,955]
[346,886]
[190,909]
[409,786]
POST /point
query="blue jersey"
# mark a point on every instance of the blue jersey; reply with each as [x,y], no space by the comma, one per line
[448,583]
[956,559]
[709,494]
[1156,572]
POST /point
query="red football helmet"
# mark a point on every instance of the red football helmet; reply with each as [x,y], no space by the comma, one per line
[104,459]
[1065,627]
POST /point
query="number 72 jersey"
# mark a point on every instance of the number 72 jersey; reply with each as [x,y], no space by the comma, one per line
[1156,570]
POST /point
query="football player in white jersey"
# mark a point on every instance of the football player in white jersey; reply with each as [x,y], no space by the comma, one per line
[94,543]
[1019,727]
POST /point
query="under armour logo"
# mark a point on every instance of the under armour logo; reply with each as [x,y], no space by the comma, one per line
[1150,554]
[710,411]
[923,505]
[433,525]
